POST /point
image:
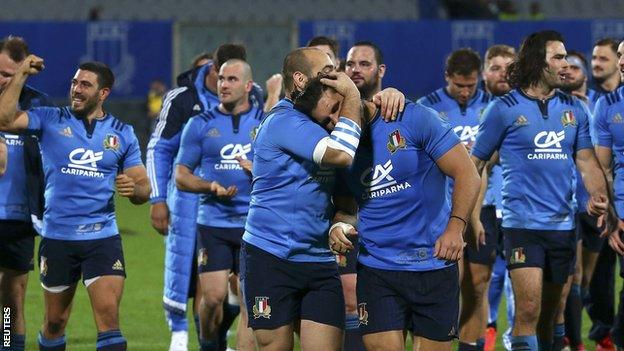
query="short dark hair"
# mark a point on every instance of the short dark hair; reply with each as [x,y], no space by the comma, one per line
[307,100]
[15,47]
[105,76]
[529,67]
[610,42]
[199,58]
[463,62]
[378,55]
[229,51]
[323,40]
[294,61]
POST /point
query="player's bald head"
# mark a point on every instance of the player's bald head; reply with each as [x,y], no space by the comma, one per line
[306,61]
[246,73]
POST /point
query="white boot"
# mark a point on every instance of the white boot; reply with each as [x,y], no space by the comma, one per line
[179,341]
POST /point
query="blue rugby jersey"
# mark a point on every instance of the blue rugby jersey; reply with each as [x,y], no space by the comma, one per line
[20,184]
[290,205]
[537,142]
[212,141]
[400,190]
[464,120]
[608,128]
[81,162]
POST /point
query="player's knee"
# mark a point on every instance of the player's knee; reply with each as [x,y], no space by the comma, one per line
[212,298]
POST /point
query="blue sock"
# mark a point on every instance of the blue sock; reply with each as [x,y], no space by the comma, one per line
[208,345]
[57,344]
[196,320]
[17,343]
[480,344]
[558,335]
[177,321]
[353,336]
[111,340]
[524,343]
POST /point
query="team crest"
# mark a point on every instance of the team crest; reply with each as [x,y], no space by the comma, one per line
[43,266]
[202,257]
[66,132]
[111,142]
[341,260]
[521,121]
[517,256]
[362,313]
[568,119]
[617,118]
[395,141]
[253,133]
[213,133]
[261,308]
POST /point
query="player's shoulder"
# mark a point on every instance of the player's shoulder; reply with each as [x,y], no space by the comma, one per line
[434,98]
[483,97]
[507,101]
[614,97]
[415,112]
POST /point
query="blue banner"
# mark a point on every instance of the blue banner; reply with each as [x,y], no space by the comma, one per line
[414,52]
[137,52]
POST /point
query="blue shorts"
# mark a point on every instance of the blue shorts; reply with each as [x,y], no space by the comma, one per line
[425,302]
[62,262]
[486,254]
[17,245]
[218,248]
[347,263]
[278,292]
[587,230]
[552,250]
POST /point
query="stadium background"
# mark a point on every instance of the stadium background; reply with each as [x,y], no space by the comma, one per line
[143,40]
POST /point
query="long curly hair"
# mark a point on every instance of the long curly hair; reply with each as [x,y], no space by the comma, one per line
[528,68]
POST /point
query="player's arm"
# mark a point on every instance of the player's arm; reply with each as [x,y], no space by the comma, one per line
[456,164]
[594,181]
[133,184]
[11,119]
[187,181]
[274,89]
[339,148]
[3,156]
[343,225]
[161,150]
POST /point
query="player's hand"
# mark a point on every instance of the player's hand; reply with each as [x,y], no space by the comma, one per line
[468,146]
[31,65]
[341,82]
[159,213]
[615,238]
[246,164]
[124,185]
[391,102]
[476,234]
[339,242]
[223,193]
[449,246]
[598,205]
[274,84]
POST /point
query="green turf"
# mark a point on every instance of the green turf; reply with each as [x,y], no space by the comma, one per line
[142,318]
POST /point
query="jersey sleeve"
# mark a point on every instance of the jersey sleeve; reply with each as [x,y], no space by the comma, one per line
[431,133]
[583,136]
[491,132]
[191,144]
[38,118]
[164,143]
[600,126]
[296,134]
[132,157]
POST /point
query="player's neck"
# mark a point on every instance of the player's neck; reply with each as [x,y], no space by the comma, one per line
[235,109]
[611,83]
[540,91]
